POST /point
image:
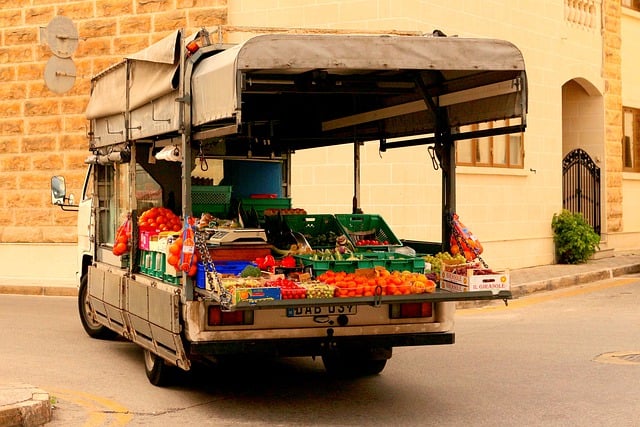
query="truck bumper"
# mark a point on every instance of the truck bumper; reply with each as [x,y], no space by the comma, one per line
[316,345]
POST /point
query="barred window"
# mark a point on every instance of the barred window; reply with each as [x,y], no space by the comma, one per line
[503,151]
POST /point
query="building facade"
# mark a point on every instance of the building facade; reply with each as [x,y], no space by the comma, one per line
[584,94]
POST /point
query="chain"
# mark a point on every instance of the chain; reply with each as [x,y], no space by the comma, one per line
[211,274]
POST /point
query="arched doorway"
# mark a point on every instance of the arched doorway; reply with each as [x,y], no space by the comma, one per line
[583,150]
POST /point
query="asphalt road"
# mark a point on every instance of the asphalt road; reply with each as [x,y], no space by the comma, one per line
[563,358]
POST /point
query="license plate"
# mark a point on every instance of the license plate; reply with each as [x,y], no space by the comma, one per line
[332,310]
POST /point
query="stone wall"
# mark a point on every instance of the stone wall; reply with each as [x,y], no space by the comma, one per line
[44,134]
[611,72]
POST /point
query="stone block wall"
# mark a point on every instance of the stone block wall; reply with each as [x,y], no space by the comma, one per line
[43,133]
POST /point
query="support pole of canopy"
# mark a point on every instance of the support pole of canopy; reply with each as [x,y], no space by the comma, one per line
[445,151]
[356,179]
[185,71]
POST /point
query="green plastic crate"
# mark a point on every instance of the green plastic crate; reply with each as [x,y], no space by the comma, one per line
[213,199]
[390,260]
[320,230]
[367,227]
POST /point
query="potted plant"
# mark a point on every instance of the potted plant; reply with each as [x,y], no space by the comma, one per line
[575,240]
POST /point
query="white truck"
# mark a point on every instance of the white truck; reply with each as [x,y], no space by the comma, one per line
[248,108]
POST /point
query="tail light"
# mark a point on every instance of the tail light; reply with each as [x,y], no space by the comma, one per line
[217,317]
[411,310]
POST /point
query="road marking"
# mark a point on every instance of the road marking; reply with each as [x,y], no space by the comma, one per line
[99,408]
[551,295]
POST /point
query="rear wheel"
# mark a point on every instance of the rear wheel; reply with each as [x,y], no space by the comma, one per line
[158,371]
[356,363]
[91,326]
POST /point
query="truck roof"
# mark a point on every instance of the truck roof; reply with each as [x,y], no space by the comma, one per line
[317,89]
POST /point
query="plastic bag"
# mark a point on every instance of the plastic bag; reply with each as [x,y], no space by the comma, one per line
[463,241]
[188,255]
[123,235]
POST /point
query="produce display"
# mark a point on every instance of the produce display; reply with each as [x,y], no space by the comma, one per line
[474,276]
[331,284]
[382,282]
[182,254]
[319,290]
[438,260]
[371,242]
[476,269]
[123,235]
[288,288]
[159,219]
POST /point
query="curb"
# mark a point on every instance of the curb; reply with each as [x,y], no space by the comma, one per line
[30,406]
[573,280]
[62,291]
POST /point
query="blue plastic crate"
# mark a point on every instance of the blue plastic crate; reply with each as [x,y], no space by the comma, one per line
[222,267]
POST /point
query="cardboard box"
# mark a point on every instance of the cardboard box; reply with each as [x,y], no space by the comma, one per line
[255,295]
[473,280]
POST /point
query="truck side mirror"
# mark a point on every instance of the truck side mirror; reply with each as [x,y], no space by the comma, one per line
[58,190]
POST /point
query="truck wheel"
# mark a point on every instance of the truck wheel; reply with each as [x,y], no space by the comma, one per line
[158,372]
[352,364]
[92,327]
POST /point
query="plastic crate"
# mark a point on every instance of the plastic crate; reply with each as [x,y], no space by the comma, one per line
[320,230]
[389,260]
[152,263]
[222,267]
[261,204]
[213,199]
[367,227]
[145,235]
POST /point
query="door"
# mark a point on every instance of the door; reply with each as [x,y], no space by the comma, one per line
[581,187]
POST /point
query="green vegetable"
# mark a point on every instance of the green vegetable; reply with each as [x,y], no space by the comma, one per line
[251,271]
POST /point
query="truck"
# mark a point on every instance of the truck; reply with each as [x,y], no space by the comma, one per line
[246,109]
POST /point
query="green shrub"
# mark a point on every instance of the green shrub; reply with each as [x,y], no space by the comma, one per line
[575,240]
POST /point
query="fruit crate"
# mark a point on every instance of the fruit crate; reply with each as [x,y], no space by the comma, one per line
[152,263]
[260,204]
[360,227]
[222,267]
[213,199]
[320,230]
[475,278]
[389,260]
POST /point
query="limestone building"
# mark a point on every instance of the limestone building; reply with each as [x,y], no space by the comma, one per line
[584,93]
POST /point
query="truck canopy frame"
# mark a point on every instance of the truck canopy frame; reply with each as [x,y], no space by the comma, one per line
[277,93]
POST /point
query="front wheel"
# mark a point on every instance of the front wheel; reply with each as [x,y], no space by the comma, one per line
[158,372]
[93,328]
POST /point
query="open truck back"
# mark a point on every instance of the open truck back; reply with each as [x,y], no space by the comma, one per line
[252,106]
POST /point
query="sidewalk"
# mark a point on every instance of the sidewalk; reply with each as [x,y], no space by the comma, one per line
[25,405]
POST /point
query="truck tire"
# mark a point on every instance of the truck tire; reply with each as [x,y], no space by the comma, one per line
[354,363]
[93,328]
[158,372]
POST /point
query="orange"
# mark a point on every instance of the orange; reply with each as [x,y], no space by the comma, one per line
[173,260]
[119,248]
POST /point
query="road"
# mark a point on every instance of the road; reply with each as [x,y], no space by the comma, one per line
[562,358]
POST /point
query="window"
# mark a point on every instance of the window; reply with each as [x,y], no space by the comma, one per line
[631,4]
[148,191]
[503,151]
[631,139]
[113,199]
